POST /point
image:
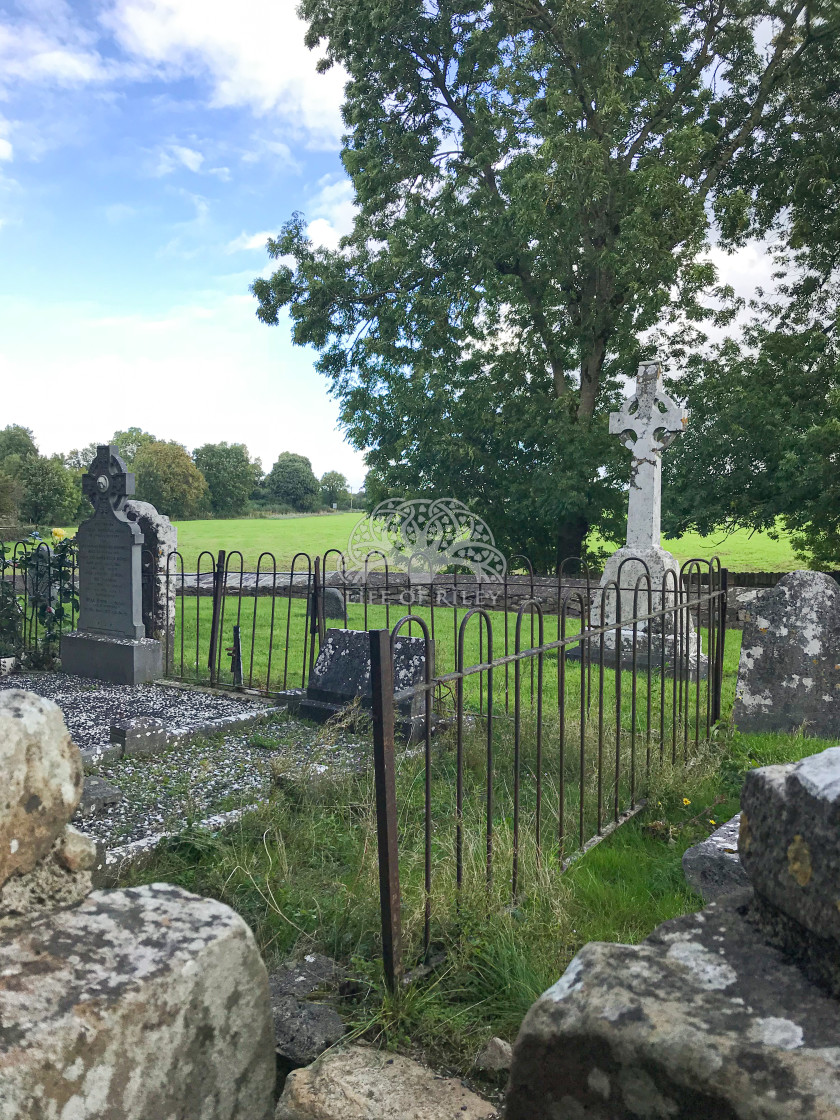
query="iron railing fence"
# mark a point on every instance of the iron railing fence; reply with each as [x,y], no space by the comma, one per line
[38,596]
[262,628]
[531,757]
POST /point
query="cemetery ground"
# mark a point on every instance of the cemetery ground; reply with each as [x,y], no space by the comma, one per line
[283,537]
[302,870]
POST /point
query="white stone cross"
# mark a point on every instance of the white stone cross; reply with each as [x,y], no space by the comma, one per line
[647,422]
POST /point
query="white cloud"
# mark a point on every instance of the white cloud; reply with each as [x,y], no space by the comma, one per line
[333,211]
[174,156]
[5,149]
[59,53]
[249,241]
[252,51]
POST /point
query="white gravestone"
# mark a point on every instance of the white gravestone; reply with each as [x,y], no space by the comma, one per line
[647,423]
[110,641]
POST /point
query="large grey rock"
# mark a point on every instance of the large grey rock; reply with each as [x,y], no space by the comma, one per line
[144,1004]
[63,878]
[713,867]
[702,1020]
[789,673]
[364,1084]
[790,839]
[42,779]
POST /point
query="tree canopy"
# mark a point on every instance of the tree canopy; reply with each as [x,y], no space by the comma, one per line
[167,477]
[334,490]
[129,443]
[231,475]
[292,482]
[536,181]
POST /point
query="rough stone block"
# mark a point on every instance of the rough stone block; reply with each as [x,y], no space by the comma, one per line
[97,795]
[789,673]
[703,1019]
[363,1084]
[713,867]
[147,1004]
[118,660]
[790,839]
[303,1029]
[140,736]
[42,779]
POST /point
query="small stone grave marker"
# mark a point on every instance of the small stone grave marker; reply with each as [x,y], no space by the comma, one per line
[141,737]
[342,673]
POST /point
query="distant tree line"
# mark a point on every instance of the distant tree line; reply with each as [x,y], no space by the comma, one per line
[217,480]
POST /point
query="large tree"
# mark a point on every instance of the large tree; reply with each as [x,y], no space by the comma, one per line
[231,475]
[535,181]
[334,490]
[292,481]
[169,479]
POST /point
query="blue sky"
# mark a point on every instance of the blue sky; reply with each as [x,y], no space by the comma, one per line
[147,149]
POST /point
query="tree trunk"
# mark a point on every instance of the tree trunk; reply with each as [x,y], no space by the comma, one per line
[570,537]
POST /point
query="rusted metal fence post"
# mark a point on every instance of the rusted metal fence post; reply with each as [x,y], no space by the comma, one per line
[218,593]
[382,685]
[717,695]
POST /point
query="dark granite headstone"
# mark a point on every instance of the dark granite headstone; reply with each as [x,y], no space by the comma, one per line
[789,674]
[110,642]
[342,672]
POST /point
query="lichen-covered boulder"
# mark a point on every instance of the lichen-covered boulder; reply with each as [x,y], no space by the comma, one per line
[143,1004]
[790,839]
[63,878]
[364,1084]
[789,672]
[42,779]
[702,1020]
[713,867]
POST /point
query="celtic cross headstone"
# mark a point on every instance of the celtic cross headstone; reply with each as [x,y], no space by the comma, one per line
[109,642]
[647,422]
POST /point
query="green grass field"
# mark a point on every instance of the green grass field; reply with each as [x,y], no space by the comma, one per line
[740,551]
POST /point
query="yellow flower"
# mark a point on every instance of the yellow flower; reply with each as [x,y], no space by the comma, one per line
[711,822]
[58,534]
[686,801]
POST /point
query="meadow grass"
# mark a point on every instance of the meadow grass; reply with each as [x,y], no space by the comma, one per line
[302,870]
[740,551]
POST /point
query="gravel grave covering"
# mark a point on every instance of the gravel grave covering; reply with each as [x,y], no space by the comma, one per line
[90,707]
[195,778]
